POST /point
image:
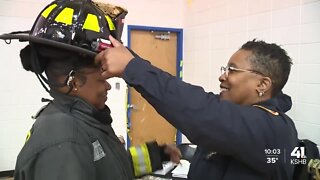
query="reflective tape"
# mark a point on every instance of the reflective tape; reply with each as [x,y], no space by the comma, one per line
[91,23]
[135,160]
[146,158]
[65,16]
[28,136]
[141,160]
[46,12]
[110,23]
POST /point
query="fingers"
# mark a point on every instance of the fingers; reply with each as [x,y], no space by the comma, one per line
[114,42]
[175,158]
[174,152]
[113,60]
[106,75]
[99,58]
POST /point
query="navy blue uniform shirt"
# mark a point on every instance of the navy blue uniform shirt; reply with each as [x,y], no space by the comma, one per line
[231,139]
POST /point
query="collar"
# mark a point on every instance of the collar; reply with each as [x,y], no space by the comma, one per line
[77,104]
[279,103]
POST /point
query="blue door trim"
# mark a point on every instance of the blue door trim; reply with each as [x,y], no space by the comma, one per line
[179,66]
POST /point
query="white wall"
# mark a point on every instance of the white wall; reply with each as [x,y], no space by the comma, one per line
[20,91]
[214,29]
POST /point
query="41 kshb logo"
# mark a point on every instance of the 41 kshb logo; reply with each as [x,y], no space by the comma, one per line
[298,156]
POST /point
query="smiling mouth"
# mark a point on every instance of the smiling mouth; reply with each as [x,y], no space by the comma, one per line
[105,96]
[223,89]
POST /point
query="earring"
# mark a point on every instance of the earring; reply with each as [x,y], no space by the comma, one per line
[76,89]
[260,93]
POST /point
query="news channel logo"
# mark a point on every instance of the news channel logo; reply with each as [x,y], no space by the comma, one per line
[297,155]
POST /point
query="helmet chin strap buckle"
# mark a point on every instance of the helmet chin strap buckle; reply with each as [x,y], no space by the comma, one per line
[101,44]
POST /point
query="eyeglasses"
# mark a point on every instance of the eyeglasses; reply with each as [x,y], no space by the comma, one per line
[228,69]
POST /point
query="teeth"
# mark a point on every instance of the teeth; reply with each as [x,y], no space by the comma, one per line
[223,89]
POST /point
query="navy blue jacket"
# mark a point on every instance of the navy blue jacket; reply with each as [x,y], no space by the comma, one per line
[232,139]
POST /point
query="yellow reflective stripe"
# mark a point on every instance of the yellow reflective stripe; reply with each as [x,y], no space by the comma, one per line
[141,160]
[110,23]
[142,164]
[46,12]
[146,158]
[28,136]
[181,63]
[135,160]
[91,23]
[65,16]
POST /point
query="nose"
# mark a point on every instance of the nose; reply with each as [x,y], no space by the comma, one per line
[108,86]
[223,77]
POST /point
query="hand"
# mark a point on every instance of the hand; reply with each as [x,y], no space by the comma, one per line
[173,152]
[114,60]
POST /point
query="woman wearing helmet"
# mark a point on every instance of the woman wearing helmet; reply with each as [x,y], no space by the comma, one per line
[72,137]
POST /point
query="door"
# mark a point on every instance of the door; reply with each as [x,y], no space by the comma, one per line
[160,48]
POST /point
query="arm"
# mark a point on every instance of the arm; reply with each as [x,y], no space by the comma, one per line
[201,116]
[215,125]
[148,157]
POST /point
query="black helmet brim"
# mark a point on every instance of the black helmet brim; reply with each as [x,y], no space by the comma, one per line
[24,37]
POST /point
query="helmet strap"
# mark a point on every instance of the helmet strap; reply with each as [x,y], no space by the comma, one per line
[43,80]
[36,66]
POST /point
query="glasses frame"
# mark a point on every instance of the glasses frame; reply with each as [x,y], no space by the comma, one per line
[227,69]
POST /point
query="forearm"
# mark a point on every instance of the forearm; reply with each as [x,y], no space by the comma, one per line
[182,104]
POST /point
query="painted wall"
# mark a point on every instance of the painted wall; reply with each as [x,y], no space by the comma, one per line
[20,91]
[214,30]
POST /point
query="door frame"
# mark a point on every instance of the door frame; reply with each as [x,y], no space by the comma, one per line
[179,65]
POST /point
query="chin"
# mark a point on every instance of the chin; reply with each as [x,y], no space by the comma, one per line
[223,96]
[100,106]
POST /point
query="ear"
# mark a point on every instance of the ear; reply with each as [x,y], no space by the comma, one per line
[75,84]
[264,85]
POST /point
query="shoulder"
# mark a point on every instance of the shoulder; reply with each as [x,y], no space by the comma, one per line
[54,124]
[53,128]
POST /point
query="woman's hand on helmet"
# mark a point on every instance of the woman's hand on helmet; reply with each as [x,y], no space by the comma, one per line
[114,60]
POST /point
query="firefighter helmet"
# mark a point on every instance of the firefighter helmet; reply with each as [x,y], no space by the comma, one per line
[76,25]
[79,26]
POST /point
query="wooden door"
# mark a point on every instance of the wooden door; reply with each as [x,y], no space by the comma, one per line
[146,123]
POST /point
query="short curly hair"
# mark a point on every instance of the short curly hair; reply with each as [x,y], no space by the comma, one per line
[271,60]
